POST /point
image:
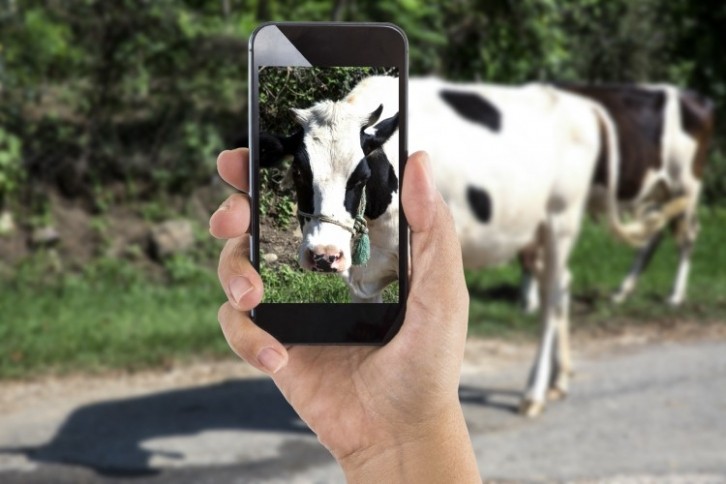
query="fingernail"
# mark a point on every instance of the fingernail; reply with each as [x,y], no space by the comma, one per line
[226,205]
[427,162]
[271,360]
[238,287]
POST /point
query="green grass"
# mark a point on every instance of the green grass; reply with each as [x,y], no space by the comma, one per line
[110,316]
[286,284]
[114,316]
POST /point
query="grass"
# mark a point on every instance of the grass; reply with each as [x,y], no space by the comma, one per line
[113,316]
[598,264]
[286,284]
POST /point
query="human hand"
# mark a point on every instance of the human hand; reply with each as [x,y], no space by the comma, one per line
[379,410]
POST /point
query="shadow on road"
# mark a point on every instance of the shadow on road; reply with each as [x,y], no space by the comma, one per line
[108,436]
[495,398]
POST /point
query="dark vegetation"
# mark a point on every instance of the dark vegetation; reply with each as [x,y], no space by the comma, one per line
[112,114]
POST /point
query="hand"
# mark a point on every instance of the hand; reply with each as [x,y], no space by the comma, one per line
[379,410]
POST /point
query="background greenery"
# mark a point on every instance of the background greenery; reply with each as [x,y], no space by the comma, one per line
[126,104]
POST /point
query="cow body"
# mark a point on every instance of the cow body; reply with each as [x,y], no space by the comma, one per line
[663,137]
[512,163]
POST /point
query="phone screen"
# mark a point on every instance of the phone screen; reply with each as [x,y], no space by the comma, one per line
[327,126]
[329,184]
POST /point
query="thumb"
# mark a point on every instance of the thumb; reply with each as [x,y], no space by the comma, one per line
[241,283]
[438,292]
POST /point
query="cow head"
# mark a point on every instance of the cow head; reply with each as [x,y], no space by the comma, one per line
[337,154]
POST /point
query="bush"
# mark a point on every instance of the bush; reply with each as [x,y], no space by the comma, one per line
[11,169]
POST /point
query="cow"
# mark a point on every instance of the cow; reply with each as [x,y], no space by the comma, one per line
[511,163]
[345,175]
[663,138]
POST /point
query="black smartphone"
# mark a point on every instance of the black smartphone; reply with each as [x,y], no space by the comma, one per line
[328,105]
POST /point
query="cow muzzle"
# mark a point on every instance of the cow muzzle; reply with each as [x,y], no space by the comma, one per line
[321,256]
[326,258]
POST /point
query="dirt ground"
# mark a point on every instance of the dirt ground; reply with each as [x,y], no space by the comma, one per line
[283,243]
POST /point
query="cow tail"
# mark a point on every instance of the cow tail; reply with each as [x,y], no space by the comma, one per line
[633,233]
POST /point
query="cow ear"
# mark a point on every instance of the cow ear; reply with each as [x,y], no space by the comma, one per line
[301,115]
[381,133]
[242,141]
[274,148]
[373,117]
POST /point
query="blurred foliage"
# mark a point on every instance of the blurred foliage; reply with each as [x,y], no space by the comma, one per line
[109,92]
[11,171]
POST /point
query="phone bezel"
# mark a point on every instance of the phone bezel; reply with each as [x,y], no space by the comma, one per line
[333,45]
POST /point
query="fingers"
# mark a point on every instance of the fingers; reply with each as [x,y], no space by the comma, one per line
[436,266]
[241,283]
[249,342]
[233,166]
[232,218]
[418,192]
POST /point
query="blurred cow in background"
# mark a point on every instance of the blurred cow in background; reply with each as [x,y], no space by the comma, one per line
[663,139]
[512,163]
[515,163]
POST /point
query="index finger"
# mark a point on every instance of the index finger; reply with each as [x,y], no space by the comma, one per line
[234,167]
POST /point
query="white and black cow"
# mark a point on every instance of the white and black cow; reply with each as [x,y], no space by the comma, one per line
[511,162]
[345,174]
[663,139]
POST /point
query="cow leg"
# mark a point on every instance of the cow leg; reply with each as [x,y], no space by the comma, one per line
[686,233]
[640,263]
[684,266]
[529,292]
[529,262]
[562,364]
[553,291]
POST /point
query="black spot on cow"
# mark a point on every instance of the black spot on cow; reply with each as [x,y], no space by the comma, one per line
[273,148]
[480,203]
[376,174]
[472,106]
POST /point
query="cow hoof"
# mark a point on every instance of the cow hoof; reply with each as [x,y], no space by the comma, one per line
[675,302]
[531,408]
[555,393]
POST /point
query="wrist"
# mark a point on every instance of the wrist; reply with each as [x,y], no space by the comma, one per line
[439,450]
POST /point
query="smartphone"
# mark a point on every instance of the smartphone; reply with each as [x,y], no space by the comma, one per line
[328,105]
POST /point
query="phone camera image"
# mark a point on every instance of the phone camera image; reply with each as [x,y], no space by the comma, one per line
[328,196]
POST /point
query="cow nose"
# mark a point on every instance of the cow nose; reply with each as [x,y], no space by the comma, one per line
[325,258]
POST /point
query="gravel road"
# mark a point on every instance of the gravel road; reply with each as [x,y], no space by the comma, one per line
[644,408]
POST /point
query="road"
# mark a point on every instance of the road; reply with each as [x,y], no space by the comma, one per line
[642,409]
